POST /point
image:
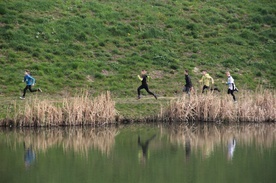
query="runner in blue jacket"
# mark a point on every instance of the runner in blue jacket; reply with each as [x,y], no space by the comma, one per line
[30,81]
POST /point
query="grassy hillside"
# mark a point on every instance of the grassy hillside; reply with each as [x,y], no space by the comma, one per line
[103,45]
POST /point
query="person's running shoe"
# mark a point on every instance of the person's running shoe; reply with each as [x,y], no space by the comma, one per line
[138,97]
[22,98]
[39,90]
[155,97]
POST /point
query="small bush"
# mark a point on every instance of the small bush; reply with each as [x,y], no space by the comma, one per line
[192,26]
[258,74]
[235,25]
[233,40]
[247,34]
[82,37]
[8,35]
[2,10]
[70,52]
[174,66]
[21,47]
[151,33]
[98,75]
[257,18]
[269,19]
[35,54]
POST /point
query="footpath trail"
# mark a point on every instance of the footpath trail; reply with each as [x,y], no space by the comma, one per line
[146,106]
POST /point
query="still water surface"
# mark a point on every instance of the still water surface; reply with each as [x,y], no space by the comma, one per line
[140,153]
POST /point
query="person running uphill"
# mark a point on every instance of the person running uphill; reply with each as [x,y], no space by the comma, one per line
[30,81]
[231,85]
[143,78]
[188,86]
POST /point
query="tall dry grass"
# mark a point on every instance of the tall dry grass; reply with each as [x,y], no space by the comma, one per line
[79,110]
[256,106]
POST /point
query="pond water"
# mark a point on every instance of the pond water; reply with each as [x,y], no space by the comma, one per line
[139,153]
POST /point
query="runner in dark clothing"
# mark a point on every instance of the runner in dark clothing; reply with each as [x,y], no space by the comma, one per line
[143,78]
[188,86]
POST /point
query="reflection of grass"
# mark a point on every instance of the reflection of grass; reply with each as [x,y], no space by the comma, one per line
[78,139]
[206,137]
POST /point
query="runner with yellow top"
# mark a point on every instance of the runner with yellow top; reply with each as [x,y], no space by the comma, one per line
[206,79]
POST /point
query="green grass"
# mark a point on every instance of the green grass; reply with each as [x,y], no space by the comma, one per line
[103,45]
[133,109]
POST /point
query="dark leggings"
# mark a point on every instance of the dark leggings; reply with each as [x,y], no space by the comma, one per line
[144,87]
[232,93]
[207,88]
[30,88]
[204,88]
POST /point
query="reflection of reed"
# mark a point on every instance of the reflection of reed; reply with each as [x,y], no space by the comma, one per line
[77,139]
[205,137]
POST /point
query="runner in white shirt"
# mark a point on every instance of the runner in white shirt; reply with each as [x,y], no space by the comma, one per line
[231,85]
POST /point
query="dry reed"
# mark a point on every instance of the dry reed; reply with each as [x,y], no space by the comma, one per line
[251,107]
[79,110]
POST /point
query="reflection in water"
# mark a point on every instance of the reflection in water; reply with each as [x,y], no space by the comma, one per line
[200,138]
[187,149]
[167,153]
[29,155]
[77,139]
[231,148]
[205,138]
[144,156]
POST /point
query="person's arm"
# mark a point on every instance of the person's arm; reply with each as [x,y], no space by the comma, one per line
[212,80]
[33,79]
[201,80]
[139,77]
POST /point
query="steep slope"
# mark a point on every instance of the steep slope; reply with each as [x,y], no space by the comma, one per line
[103,45]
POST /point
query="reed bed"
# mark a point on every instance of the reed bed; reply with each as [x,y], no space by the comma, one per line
[79,110]
[79,140]
[251,107]
[204,138]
